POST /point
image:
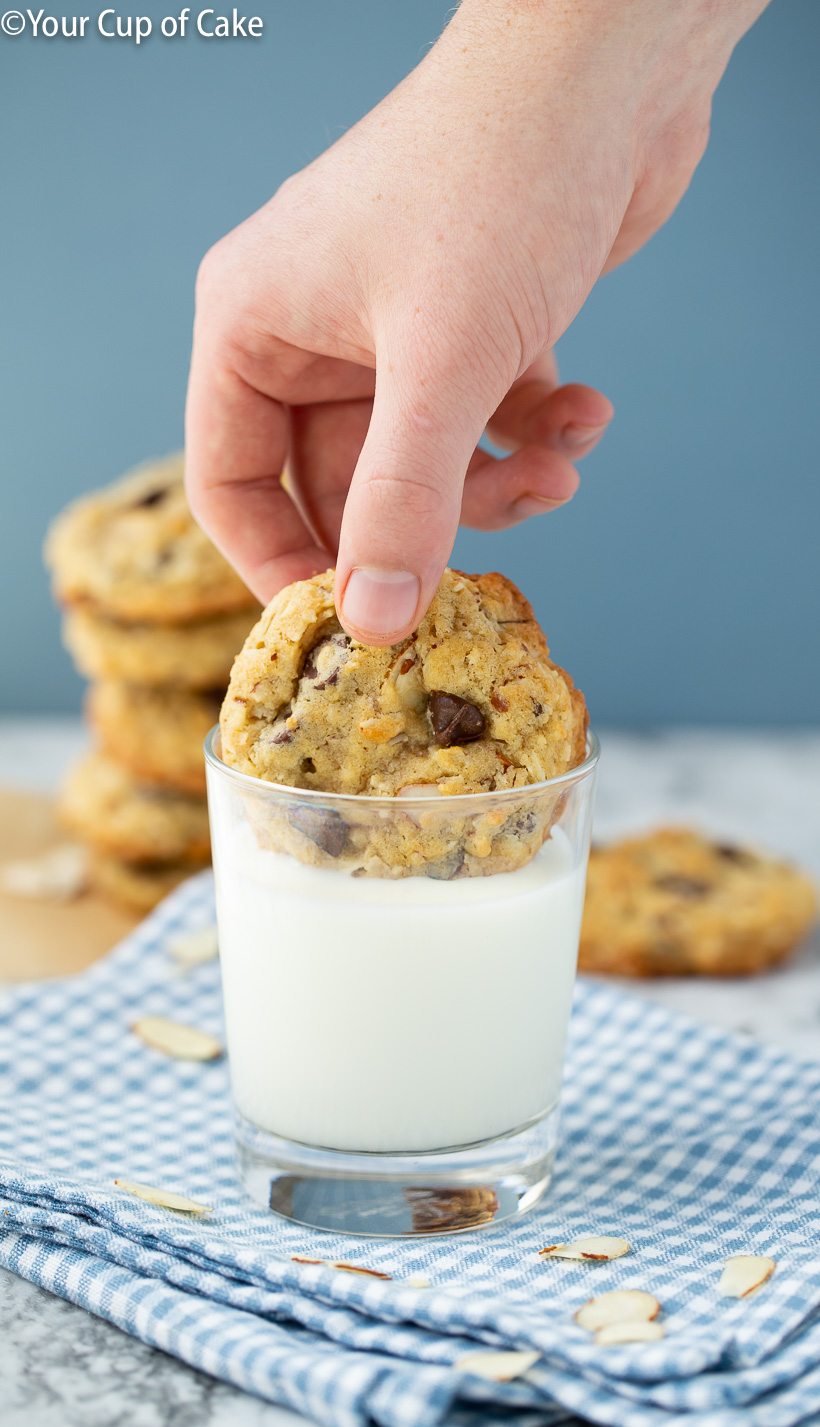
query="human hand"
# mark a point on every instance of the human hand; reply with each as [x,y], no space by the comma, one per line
[403,293]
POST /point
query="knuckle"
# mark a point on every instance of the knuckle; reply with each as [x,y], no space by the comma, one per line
[211,273]
[417,495]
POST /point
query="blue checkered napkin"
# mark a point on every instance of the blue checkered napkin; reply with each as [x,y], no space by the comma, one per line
[692,1144]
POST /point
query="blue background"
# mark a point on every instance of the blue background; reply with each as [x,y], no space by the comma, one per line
[680,585]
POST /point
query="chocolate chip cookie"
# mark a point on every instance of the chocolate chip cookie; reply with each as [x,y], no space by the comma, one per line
[139,886]
[119,816]
[157,733]
[674,903]
[194,655]
[134,552]
[470,703]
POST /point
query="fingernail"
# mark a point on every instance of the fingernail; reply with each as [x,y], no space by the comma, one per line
[528,505]
[379,604]
[575,435]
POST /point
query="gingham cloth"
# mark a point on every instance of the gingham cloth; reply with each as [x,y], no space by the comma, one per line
[692,1144]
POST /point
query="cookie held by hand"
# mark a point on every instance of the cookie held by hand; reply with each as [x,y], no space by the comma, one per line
[470,703]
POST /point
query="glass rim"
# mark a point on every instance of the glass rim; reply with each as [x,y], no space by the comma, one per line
[451,801]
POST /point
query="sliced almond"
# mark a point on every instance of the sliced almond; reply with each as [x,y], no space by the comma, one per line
[629,1333]
[345,1267]
[743,1274]
[497,1367]
[175,1039]
[417,1282]
[57,876]
[407,677]
[190,948]
[163,1197]
[596,1248]
[622,1305]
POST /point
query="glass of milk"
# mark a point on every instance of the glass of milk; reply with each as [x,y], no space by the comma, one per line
[397,977]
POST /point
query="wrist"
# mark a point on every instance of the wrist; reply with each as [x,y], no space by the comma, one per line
[645,36]
[641,64]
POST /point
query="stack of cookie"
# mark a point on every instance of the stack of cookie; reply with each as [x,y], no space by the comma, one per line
[154,616]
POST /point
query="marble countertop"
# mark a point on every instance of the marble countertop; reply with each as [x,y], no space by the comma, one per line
[60,1367]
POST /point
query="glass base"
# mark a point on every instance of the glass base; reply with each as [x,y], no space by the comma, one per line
[448,1191]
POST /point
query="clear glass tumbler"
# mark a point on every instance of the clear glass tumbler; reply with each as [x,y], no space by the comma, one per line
[397,978]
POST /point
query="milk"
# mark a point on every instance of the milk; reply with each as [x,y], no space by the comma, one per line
[410,1015]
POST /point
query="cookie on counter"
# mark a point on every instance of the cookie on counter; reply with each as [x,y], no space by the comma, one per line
[138,885]
[117,815]
[134,552]
[157,733]
[471,703]
[675,903]
[194,655]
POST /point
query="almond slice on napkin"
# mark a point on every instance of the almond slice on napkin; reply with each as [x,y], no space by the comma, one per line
[743,1273]
[345,1267]
[192,948]
[177,1040]
[163,1197]
[629,1333]
[497,1367]
[622,1305]
[596,1248]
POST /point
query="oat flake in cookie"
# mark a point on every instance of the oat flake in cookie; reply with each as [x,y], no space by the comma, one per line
[471,703]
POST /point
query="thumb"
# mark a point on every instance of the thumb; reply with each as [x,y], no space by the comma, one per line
[402,511]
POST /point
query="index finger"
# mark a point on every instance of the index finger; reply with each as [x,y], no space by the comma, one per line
[237,441]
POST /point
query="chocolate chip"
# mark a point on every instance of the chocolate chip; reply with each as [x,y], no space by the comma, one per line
[332,654]
[521,824]
[689,887]
[152,498]
[446,868]
[324,827]
[732,853]
[455,720]
[279,731]
[665,958]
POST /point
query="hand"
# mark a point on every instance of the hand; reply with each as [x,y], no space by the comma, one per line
[404,292]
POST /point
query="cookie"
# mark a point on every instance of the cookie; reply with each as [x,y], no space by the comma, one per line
[107,807]
[134,552]
[195,655]
[157,733]
[674,903]
[139,886]
[471,703]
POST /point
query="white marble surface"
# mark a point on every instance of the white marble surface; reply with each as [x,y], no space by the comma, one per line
[60,1367]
